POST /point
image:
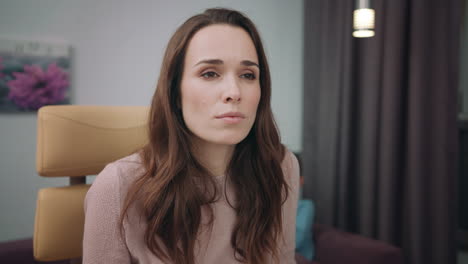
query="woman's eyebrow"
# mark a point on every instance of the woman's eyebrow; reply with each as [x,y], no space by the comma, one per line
[210,61]
[219,62]
[249,63]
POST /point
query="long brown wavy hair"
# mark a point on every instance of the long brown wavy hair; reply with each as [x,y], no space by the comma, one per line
[175,186]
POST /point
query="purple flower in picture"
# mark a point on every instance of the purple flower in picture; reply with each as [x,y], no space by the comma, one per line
[34,87]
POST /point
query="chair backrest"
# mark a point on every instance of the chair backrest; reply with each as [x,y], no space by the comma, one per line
[75,141]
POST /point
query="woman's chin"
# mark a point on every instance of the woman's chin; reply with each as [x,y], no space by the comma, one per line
[228,140]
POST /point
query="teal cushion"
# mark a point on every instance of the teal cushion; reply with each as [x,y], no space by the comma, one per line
[304,222]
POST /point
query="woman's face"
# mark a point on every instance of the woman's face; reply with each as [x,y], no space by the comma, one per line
[220,84]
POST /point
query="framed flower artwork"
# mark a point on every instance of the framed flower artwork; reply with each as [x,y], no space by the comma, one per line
[33,74]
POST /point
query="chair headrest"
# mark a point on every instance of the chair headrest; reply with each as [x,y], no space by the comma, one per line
[76,140]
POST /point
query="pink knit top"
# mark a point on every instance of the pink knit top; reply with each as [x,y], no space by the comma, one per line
[103,243]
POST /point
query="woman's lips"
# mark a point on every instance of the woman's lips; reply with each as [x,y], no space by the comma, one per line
[231,117]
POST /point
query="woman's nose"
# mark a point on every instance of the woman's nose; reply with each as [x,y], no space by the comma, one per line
[232,93]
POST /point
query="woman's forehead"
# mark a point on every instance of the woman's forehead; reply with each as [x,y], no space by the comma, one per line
[223,42]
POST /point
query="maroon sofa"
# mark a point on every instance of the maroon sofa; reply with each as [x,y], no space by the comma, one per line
[331,247]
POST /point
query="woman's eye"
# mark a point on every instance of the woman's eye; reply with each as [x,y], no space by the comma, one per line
[249,76]
[209,75]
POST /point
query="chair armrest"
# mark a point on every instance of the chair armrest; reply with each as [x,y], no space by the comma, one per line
[335,246]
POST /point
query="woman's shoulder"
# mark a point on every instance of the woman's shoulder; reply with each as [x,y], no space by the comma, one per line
[129,163]
[290,163]
[291,172]
[120,173]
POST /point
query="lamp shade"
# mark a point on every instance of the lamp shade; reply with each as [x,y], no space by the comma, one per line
[363,23]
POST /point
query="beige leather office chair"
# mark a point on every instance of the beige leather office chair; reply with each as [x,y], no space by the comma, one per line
[75,141]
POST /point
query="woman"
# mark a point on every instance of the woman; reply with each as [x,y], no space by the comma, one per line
[214,184]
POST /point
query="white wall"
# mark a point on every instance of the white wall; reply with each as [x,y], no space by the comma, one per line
[118,47]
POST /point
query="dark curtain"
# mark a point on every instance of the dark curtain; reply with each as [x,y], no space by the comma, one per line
[380,133]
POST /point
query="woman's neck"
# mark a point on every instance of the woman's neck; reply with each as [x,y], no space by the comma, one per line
[214,157]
